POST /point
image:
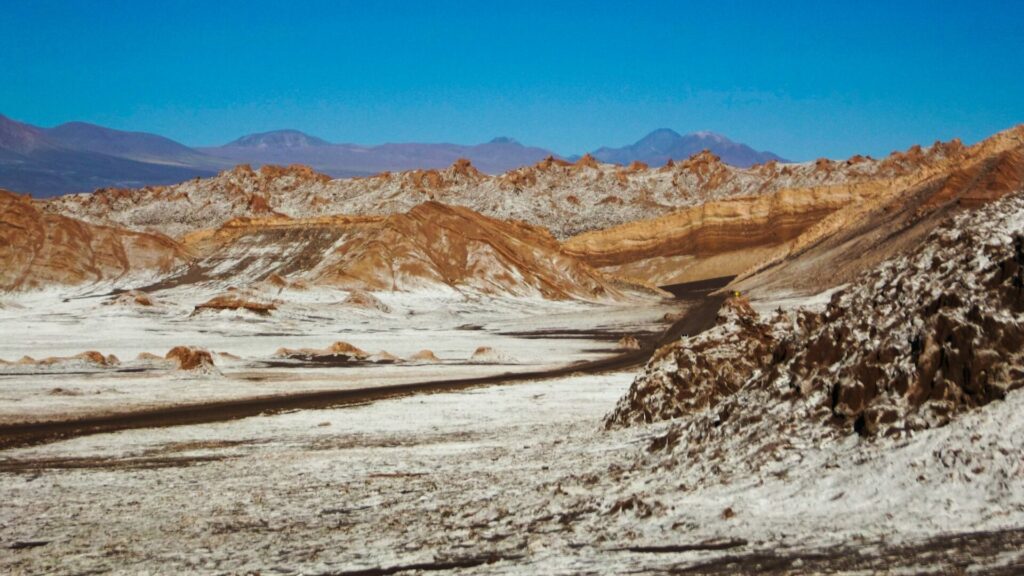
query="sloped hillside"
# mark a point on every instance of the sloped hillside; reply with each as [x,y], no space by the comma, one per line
[39,249]
[857,223]
[838,248]
[433,245]
[715,239]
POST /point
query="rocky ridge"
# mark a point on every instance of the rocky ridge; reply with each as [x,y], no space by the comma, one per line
[890,222]
[567,198]
[431,247]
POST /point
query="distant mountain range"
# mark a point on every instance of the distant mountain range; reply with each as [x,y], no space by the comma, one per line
[663,144]
[80,157]
[294,147]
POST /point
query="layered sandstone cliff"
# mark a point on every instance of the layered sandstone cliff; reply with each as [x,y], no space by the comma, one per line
[712,240]
[732,236]
[38,249]
[892,221]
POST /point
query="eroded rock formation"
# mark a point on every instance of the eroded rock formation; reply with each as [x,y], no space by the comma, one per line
[341,351]
[566,198]
[431,246]
[238,300]
[191,358]
[38,249]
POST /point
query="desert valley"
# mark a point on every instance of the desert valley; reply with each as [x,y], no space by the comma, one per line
[570,366]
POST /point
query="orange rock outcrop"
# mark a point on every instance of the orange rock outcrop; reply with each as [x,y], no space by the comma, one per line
[191,358]
[433,244]
[38,249]
[237,301]
[440,244]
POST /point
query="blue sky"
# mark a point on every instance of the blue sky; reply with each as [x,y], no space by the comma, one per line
[803,79]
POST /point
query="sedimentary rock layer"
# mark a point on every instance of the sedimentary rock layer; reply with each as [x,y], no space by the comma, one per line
[433,245]
[38,249]
[733,236]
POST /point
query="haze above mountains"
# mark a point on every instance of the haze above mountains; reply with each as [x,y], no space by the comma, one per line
[81,157]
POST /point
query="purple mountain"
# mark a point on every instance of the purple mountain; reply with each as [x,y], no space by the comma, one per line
[293,147]
[80,157]
[663,144]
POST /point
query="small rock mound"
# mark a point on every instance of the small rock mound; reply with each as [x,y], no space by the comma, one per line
[346,348]
[237,301]
[629,343]
[89,358]
[191,358]
[132,298]
[336,351]
[282,283]
[488,355]
[424,356]
[93,357]
[363,299]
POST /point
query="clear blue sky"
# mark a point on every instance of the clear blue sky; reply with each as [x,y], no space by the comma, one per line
[805,79]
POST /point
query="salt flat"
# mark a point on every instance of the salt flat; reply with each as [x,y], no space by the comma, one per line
[451,324]
[515,479]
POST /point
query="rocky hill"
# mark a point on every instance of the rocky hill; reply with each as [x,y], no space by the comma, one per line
[39,250]
[890,222]
[908,345]
[430,247]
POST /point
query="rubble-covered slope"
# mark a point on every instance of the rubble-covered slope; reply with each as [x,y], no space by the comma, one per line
[908,345]
[567,198]
[433,245]
[39,249]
